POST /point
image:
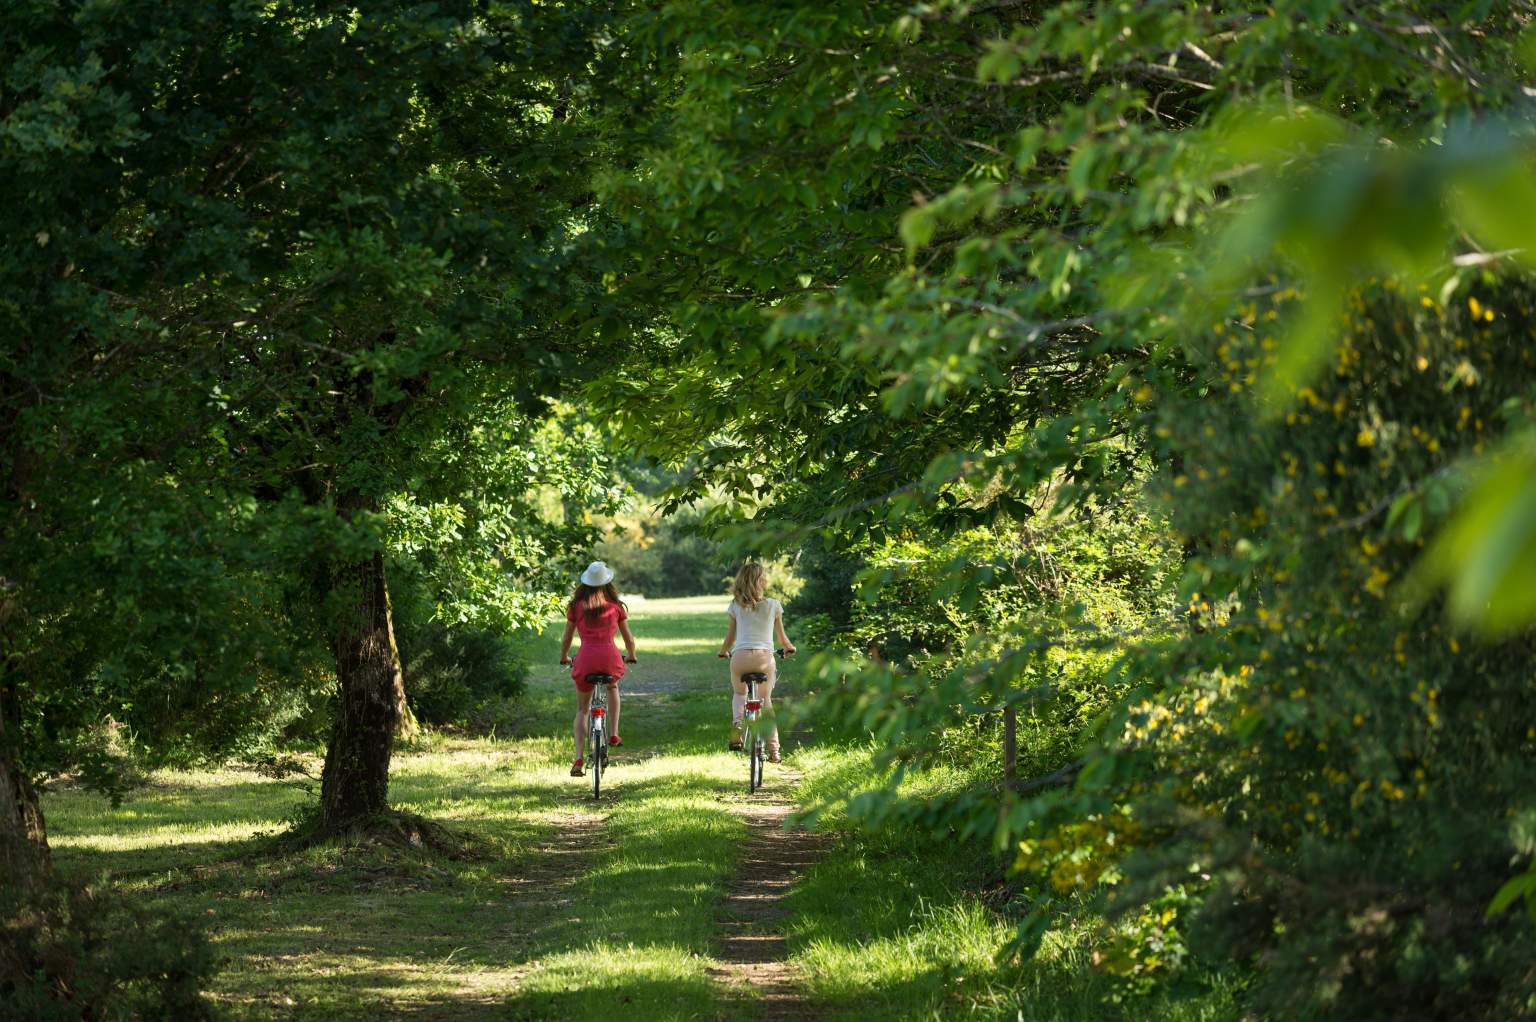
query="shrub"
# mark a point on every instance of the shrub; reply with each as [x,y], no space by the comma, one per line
[452,673]
[81,952]
[453,669]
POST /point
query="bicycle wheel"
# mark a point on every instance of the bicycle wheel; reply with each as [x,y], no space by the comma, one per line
[750,743]
[755,765]
[599,757]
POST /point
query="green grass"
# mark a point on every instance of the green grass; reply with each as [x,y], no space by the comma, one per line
[356,933]
[893,925]
[577,911]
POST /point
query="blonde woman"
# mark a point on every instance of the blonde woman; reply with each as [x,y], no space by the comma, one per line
[757,621]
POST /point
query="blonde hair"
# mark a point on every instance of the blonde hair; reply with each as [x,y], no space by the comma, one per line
[751,582]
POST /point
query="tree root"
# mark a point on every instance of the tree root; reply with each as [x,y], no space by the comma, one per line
[394,829]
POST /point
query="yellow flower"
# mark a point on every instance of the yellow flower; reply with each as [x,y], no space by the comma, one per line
[1365,438]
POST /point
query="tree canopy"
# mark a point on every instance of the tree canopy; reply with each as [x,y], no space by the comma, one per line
[1143,388]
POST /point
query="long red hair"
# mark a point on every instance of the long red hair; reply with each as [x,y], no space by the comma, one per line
[592,599]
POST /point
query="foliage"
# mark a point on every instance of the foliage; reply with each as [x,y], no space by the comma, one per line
[940,638]
[929,933]
[1253,257]
[295,286]
[483,537]
[73,952]
[661,557]
[1344,769]
[454,672]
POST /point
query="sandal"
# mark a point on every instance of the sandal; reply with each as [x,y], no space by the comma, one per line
[737,744]
[614,741]
[774,757]
[576,770]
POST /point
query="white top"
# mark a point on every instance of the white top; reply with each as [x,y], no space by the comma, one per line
[754,628]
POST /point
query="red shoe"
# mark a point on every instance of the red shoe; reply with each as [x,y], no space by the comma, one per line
[614,741]
[576,770]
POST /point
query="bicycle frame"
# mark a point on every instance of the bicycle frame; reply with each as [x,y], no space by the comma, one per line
[751,724]
[597,723]
[750,717]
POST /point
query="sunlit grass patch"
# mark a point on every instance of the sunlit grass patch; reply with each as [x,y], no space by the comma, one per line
[604,979]
[890,925]
[621,929]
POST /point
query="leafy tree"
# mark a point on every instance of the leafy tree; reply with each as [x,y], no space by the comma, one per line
[1139,233]
[273,252]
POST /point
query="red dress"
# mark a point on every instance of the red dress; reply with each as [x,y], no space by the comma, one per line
[598,654]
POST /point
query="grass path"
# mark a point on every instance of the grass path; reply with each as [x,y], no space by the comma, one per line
[577,911]
[675,898]
[753,953]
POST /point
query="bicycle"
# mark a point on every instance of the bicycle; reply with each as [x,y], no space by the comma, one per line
[754,709]
[597,738]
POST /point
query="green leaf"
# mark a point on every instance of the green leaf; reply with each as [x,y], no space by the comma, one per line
[917,227]
[1498,202]
[1522,886]
[1486,554]
[1001,62]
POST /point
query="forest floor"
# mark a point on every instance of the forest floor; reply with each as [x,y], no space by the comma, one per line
[677,896]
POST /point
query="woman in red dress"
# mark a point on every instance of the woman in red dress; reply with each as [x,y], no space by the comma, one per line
[596,612]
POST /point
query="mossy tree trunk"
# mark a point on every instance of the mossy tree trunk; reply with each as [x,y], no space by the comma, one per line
[354,786]
[406,724]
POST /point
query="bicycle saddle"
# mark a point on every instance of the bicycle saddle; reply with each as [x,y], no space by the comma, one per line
[757,676]
[601,679]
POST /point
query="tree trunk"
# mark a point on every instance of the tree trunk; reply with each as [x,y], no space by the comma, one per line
[354,785]
[24,858]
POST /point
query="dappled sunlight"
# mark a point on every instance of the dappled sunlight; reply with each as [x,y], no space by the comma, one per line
[685,606]
[569,908]
[164,837]
[691,646]
[655,981]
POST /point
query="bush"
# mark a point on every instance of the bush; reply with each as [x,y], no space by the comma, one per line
[828,572]
[662,557]
[1360,773]
[453,670]
[80,952]
[452,673]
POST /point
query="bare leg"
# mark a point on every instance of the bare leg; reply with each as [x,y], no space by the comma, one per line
[765,692]
[613,709]
[738,703]
[579,726]
[742,661]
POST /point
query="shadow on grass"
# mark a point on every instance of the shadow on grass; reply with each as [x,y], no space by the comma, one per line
[614,922]
[623,932]
[630,995]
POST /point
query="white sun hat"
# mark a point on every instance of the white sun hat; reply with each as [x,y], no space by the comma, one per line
[597,574]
